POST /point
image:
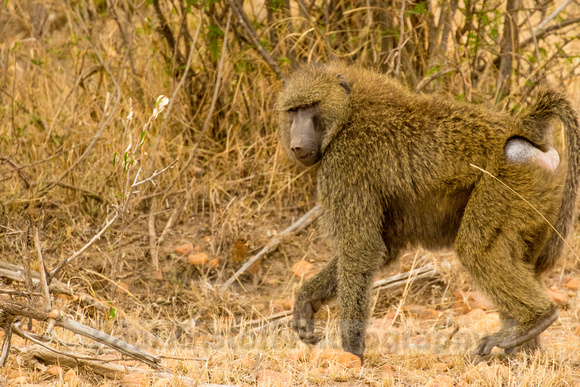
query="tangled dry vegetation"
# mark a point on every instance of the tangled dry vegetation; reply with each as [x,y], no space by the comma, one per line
[139,170]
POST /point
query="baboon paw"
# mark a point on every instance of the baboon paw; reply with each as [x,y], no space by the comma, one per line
[308,337]
[486,345]
[303,323]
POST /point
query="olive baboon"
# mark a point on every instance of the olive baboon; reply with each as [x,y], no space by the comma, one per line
[397,169]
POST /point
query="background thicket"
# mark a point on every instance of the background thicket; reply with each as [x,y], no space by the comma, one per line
[84,135]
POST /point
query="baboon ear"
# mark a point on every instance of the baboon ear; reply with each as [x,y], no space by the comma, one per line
[343,83]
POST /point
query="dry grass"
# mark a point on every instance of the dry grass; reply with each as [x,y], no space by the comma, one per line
[73,71]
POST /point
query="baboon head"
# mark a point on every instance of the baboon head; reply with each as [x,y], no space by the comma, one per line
[312,108]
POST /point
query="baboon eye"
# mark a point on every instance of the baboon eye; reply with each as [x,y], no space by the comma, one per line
[301,107]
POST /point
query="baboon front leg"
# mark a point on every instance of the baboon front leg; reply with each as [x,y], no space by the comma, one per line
[355,281]
[315,292]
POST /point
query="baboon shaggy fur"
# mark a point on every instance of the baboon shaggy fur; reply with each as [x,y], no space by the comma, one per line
[398,169]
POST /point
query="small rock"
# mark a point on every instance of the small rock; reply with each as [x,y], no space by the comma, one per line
[71,377]
[20,373]
[198,259]
[55,370]
[184,249]
[467,301]
[440,381]
[302,268]
[345,359]
[274,378]
[158,275]
[214,263]
[287,304]
[489,323]
[573,284]
[558,297]
[135,379]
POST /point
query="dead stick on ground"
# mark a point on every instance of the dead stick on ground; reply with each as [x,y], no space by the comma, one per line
[43,278]
[298,226]
[400,280]
[392,282]
[15,309]
[7,326]
[32,353]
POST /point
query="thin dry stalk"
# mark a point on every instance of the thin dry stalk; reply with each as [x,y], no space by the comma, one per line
[295,228]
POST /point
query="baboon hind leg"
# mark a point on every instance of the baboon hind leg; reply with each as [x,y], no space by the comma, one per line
[491,247]
[528,347]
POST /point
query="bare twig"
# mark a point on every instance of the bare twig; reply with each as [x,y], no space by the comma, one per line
[251,32]
[552,15]
[298,226]
[115,371]
[152,235]
[427,80]
[18,169]
[27,262]
[7,339]
[15,273]
[43,278]
[212,106]
[85,192]
[174,95]
[402,40]
[76,254]
[204,130]
[400,280]
[548,31]
[15,309]
[392,282]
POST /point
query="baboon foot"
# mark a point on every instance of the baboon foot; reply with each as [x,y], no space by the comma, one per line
[510,339]
[303,323]
[529,347]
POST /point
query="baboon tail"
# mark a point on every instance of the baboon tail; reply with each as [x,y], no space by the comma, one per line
[553,104]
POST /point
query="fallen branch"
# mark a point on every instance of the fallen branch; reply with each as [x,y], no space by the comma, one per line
[76,254]
[15,273]
[298,226]
[392,282]
[11,308]
[33,353]
[400,280]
